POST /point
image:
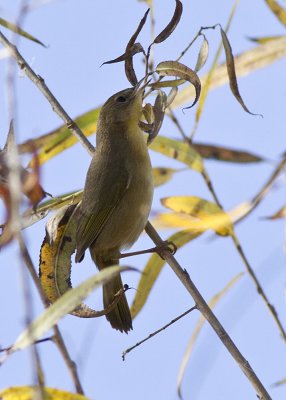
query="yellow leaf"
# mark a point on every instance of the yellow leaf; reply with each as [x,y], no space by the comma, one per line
[19,31]
[179,151]
[30,393]
[162,175]
[196,214]
[153,269]
[279,11]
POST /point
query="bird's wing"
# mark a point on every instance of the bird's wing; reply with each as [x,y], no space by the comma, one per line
[106,191]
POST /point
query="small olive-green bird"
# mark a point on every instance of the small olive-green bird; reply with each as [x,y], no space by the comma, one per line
[117,195]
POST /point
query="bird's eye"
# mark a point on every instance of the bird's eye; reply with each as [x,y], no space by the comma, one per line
[121,99]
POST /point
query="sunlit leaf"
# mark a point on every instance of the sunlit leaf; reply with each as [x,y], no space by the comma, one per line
[279,214]
[212,303]
[279,11]
[19,31]
[231,71]
[129,69]
[220,153]
[152,270]
[60,139]
[264,39]
[64,305]
[203,55]
[200,215]
[32,393]
[167,31]
[175,68]
[178,151]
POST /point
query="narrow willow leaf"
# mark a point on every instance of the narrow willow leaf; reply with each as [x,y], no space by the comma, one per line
[152,270]
[159,113]
[169,29]
[220,153]
[279,383]
[162,175]
[279,11]
[129,69]
[231,71]
[171,83]
[264,39]
[171,96]
[175,68]
[206,215]
[209,77]
[19,31]
[60,139]
[130,52]
[32,392]
[245,63]
[178,151]
[64,305]
[203,55]
[212,304]
[148,113]
[279,214]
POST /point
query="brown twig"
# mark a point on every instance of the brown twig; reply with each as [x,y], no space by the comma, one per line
[203,307]
[40,83]
[157,331]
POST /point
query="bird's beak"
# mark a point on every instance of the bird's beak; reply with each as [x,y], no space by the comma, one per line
[138,89]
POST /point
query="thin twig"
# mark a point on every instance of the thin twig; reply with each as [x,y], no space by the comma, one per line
[157,331]
[40,83]
[184,277]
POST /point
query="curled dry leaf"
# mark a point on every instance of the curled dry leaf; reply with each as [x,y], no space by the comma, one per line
[136,48]
[159,113]
[231,71]
[175,68]
[169,29]
[203,54]
[148,113]
[129,69]
[172,83]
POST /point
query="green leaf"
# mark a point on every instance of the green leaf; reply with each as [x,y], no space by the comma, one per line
[64,305]
[16,29]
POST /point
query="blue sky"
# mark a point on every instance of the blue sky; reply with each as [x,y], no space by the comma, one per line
[80,36]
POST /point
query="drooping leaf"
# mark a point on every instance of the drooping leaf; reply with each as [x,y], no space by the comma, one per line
[64,305]
[279,11]
[213,152]
[32,392]
[231,71]
[196,214]
[152,270]
[130,52]
[245,63]
[129,69]
[159,113]
[19,31]
[210,75]
[178,151]
[203,55]
[175,68]
[169,29]
[212,304]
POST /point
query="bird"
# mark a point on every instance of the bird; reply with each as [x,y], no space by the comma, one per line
[117,195]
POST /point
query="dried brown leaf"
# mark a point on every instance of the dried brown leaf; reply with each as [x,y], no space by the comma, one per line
[159,113]
[136,48]
[129,69]
[169,29]
[175,68]
[203,55]
[231,71]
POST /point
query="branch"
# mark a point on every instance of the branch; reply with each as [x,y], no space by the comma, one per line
[40,83]
[184,277]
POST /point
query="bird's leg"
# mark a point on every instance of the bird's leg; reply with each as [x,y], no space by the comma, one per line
[166,245]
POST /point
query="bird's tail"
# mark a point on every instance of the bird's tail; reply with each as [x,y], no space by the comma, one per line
[119,317]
